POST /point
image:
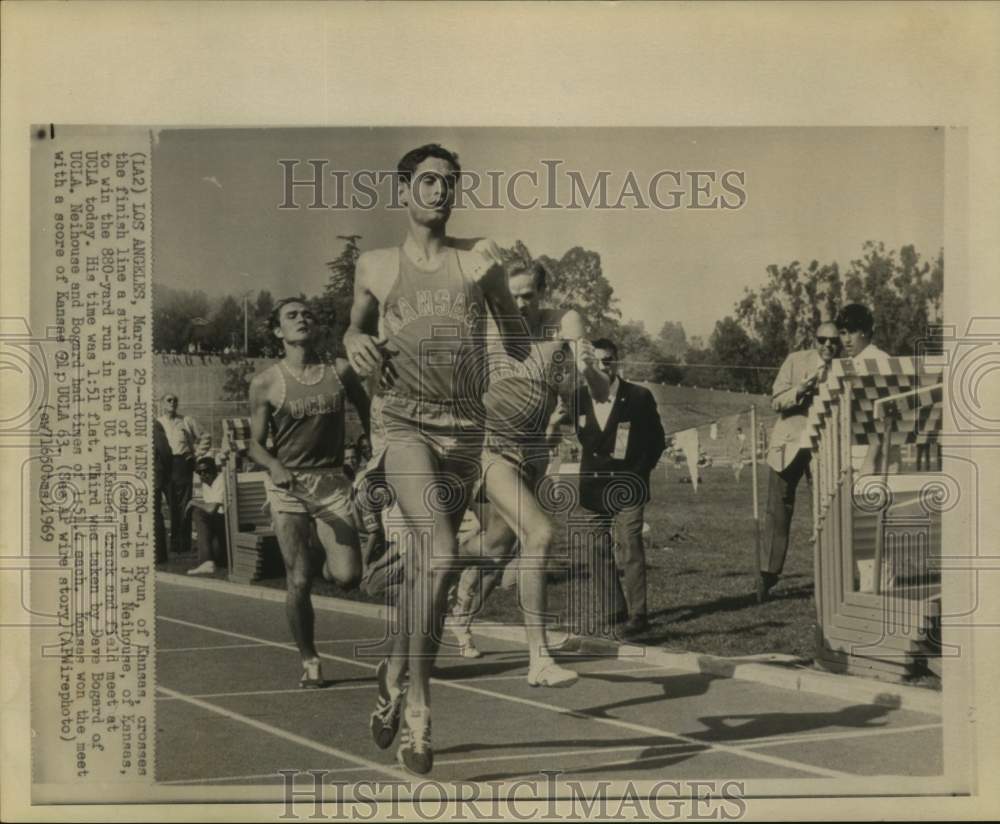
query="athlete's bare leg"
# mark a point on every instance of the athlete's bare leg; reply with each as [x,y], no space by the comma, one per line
[339,540]
[294,531]
[516,504]
[485,551]
[412,469]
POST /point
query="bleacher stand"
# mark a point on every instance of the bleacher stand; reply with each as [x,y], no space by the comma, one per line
[251,544]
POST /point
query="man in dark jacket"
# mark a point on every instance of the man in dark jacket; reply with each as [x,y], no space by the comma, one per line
[621,439]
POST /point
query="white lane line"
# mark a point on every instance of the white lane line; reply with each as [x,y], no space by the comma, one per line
[298,691]
[359,686]
[555,708]
[207,648]
[250,646]
[350,640]
[833,736]
[287,736]
[217,778]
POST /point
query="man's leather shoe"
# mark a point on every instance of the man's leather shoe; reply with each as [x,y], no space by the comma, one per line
[636,625]
[765,583]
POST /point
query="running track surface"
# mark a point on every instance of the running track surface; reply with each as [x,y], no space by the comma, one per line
[229,711]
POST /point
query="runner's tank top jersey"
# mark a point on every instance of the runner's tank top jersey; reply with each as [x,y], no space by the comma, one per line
[307,424]
[434,325]
[522,394]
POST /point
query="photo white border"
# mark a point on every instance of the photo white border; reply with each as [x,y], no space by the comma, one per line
[284,64]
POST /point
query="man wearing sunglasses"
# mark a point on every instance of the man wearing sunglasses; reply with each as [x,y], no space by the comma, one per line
[789,454]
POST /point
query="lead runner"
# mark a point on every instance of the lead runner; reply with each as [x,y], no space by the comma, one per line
[430,297]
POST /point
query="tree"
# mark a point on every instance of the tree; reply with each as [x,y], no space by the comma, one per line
[636,351]
[333,307]
[694,374]
[227,325]
[176,309]
[672,340]
[903,293]
[784,314]
[577,281]
[236,384]
[732,346]
[262,342]
[518,252]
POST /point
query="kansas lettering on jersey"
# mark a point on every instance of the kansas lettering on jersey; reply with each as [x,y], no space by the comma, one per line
[434,324]
[439,303]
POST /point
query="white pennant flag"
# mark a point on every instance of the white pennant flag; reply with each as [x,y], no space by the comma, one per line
[688,441]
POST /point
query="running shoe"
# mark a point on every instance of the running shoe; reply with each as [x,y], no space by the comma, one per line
[384,723]
[415,752]
[312,675]
[547,673]
[467,647]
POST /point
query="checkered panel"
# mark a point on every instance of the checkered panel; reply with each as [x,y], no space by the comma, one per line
[866,383]
[917,414]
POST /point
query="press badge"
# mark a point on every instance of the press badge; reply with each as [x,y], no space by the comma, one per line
[621,441]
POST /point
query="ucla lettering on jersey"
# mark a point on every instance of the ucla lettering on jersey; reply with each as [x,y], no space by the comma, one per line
[307,422]
[315,405]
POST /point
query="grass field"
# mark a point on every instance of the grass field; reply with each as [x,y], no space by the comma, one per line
[700,575]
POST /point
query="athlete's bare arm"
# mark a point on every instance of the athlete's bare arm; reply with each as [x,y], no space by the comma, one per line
[372,280]
[571,328]
[483,262]
[260,418]
[355,392]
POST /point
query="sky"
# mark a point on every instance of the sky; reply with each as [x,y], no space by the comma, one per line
[810,194]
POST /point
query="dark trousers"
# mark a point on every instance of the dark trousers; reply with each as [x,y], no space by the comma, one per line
[178,494]
[159,528]
[610,549]
[630,558]
[781,490]
[211,535]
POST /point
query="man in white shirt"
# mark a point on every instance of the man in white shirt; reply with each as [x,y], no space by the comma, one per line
[208,517]
[856,327]
[790,454]
[621,439]
[182,434]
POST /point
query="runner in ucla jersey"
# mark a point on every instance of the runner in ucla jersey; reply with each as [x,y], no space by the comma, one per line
[299,401]
[524,404]
[418,318]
